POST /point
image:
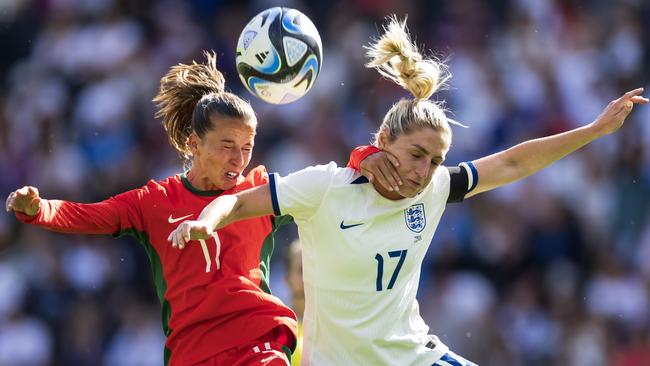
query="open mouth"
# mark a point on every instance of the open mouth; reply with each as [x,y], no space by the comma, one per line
[231,175]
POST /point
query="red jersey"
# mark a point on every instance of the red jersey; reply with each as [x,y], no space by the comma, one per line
[214,293]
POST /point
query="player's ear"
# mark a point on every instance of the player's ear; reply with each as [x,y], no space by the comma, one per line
[382,139]
[193,143]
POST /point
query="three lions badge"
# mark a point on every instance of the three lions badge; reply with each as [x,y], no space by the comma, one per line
[415,218]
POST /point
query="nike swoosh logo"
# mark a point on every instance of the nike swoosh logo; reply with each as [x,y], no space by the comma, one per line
[343,226]
[172,220]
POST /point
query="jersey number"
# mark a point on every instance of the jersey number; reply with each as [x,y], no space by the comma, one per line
[380,267]
[206,252]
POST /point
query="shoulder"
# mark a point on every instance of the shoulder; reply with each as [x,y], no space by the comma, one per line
[330,172]
[152,190]
[442,175]
[161,186]
[257,176]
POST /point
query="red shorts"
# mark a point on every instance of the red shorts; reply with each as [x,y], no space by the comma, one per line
[268,350]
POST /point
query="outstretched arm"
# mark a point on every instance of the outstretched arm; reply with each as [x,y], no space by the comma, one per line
[222,211]
[106,217]
[531,156]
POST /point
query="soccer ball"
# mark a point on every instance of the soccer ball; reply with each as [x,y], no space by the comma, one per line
[279,55]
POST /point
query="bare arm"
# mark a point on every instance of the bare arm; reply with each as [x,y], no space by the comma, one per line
[222,211]
[531,156]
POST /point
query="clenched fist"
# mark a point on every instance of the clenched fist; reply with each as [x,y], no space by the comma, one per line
[25,200]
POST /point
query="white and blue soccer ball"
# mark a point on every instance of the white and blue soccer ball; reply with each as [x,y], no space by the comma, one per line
[279,55]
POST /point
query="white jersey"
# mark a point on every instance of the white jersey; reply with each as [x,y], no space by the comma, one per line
[362,255]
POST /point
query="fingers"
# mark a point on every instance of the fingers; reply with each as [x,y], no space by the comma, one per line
[185,236]
[391,172]
[32,191]
[632,97]
[187,231]
[14,200]
[632,93]
[382,169]
[26,191]
[639,100]
[393,159]
[9,203]
[625,103]
[383,180]
[24,200]
[22,191]
[180,236]
[172,238]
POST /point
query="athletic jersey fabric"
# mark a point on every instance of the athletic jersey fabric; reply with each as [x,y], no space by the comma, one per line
[362,255]
[214,293]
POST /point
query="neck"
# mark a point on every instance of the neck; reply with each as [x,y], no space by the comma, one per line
[200,181]
[391,195]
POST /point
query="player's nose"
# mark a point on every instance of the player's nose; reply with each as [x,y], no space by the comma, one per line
[237,157]
[422,171]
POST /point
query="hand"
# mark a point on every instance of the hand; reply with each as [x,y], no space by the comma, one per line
[612,118]
[382,166]
[25,200]
[190,230]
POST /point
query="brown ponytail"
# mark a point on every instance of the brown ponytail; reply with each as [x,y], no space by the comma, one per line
[180,90]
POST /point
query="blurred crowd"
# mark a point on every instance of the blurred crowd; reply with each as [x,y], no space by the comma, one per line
[553,270]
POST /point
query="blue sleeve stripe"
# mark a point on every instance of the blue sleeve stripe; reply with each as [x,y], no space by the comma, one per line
[274,194]
[472,175]
[447,360]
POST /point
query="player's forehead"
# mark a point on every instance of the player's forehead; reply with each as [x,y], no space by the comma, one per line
[425,140]
[227,129]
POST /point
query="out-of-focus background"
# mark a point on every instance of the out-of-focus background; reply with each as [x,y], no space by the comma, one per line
[554,270]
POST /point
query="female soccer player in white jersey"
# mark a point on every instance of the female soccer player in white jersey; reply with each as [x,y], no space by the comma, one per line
[363,244]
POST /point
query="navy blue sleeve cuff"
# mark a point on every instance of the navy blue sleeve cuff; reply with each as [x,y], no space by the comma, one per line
[274,194]
[463,179]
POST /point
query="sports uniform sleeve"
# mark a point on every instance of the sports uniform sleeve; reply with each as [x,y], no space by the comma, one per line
[359,154]
[300,194]
[463,179]
[106,217]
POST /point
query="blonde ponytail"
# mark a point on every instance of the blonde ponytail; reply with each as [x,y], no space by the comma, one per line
[398,59]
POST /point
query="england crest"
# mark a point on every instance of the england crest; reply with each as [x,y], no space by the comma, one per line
[415,218]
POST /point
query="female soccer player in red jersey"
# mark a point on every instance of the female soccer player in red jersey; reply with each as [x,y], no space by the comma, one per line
[216,305]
